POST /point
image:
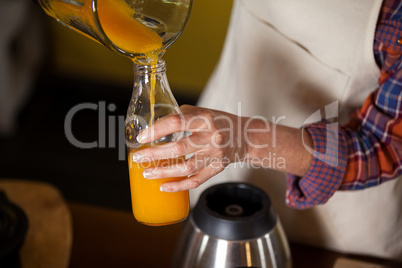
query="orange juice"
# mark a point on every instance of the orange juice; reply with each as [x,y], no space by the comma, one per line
[117,21]
[150,205]
[116,18]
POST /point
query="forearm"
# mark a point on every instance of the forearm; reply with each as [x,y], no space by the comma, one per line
[277,147]
[315,159]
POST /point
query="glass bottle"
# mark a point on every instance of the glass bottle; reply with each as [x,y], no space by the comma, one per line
[152,99]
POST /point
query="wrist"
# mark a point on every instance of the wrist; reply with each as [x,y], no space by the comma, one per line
[257,138]
[274,146]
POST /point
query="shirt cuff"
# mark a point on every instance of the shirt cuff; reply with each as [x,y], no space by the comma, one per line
[327,168]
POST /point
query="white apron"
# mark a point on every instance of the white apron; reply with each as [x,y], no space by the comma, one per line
[291,58]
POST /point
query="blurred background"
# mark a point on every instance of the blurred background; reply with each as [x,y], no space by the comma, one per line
[46,70]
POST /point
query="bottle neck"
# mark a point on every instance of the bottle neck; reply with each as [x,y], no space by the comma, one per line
[149,69]
[151,99]
[151,84]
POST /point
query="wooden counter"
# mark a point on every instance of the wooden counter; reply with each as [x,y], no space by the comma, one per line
[76,235]
[110,238]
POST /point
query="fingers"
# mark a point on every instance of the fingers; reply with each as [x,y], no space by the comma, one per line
[182,147]
[162,127]
[186,168]
[183,169]
[197,171]
[192,182]
[191,119]
[207,145]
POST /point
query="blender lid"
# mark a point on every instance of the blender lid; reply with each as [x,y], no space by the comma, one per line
[13,226]
[234,211]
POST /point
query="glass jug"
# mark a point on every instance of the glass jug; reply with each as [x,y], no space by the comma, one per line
[139,29]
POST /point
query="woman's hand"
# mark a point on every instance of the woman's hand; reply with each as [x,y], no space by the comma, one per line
[218,139]
[214,143]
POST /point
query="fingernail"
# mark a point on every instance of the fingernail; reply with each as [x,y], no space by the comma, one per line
[148,174]
[165,189]
[137,158]
[141,138]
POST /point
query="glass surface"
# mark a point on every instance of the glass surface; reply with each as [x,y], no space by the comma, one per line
[138,29]
[152,99]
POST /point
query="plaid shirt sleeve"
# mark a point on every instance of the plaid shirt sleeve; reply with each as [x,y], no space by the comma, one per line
[368,150]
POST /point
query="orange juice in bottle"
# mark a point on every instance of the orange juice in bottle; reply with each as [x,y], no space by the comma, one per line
[150,205]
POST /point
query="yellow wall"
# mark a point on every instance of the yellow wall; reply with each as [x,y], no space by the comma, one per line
[190,59]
